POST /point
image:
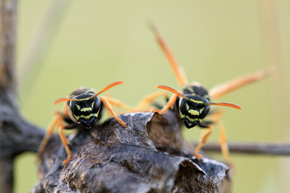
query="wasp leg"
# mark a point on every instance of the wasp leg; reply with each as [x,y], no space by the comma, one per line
[64,139]
[216,118]
[111,110]
[65,143]
[120,104]
[177,69]
[56,119]
[203,141]
[147,100]
[169,104]
[223,143]
[222,89]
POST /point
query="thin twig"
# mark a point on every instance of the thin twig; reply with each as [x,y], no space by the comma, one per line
[31,61]
[272,47]
[252,148]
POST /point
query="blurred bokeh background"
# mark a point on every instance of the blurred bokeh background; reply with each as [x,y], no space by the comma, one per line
[93,43]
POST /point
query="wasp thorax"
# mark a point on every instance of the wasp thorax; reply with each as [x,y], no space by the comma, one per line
[85,109]
[192,111]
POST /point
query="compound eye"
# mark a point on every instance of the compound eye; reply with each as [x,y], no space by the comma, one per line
[204,111]
[96,104]
[183,106]
[75,108]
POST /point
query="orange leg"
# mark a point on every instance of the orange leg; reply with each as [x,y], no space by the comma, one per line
[147,100]
[111,110]
[65,143]
[216,118]
[177,69]
[118,103]
[57,117]
[203,141]
[220,90]
[168,105]
[56,121]
[223,143]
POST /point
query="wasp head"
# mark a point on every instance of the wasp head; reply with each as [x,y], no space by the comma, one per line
[193,110]
[85,109]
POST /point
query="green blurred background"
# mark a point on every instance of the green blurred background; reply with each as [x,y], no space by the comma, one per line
[98,42]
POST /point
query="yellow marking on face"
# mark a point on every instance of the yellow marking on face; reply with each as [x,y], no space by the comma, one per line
[191,119]
[87,117]
[187,106]
[196,101]
[78,106]
[200,111]
[182,115]
[93,104]
[86,109]
[97,113]
[76,117]
[193,112]
[84,99]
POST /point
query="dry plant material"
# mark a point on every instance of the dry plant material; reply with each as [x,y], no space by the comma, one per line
[149,155]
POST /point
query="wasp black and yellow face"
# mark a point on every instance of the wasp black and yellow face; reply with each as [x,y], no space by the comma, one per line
[85,109]
[192,111]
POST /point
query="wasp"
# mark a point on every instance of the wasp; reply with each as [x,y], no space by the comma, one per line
[83,108]
[194,102]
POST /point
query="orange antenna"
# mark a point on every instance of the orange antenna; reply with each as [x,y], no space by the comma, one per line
[226,105]
[107,88]
[63,100]
[172,90]
[181,95]
[178,71]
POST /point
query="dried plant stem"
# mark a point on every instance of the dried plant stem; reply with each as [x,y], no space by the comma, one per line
[6,179]
[272,47]
[30,62]
[7,83]
[252,148]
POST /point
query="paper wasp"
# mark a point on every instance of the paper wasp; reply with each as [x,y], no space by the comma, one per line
[193,103]
[84,108]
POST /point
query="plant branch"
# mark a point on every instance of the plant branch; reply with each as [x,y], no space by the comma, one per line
[7,82]
[252,148]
